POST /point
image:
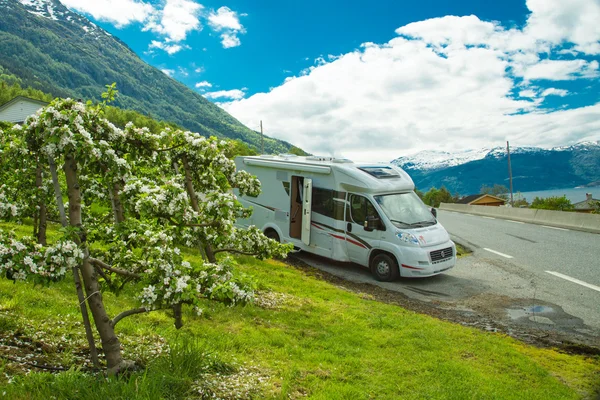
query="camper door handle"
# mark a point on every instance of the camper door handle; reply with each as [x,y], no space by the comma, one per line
[349,227]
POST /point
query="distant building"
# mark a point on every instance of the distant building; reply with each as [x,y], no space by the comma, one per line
[18,109]
[482,200]
[588,205]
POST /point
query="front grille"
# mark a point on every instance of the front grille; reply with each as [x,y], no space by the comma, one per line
[441,255]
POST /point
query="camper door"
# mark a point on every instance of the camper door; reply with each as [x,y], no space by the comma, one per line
[300,208]
[306,210]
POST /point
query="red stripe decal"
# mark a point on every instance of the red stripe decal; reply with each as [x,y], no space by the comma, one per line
[409,267]
[356,243]
[340,237]
[316,226]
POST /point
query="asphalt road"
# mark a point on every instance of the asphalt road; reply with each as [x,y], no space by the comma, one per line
[518,273]
[562,266]
[535,247]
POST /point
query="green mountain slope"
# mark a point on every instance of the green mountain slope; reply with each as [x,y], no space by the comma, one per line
[60,52]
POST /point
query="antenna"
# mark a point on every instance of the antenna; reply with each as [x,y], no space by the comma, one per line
[262,140]
[509,174]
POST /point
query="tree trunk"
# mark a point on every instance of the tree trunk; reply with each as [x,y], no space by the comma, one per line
[76,278]
[115,199]
[42,220]
[177,315]
[57,192]
[209,253]
[205,249]
[189,185]
[110,342]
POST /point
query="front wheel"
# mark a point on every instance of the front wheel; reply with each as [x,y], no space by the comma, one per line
[384,268]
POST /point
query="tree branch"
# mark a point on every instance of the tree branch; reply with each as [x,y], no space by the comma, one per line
[214,223]
[172,221]
[102,274]
[118,271]
[127,313]
[170,148]
[234,251]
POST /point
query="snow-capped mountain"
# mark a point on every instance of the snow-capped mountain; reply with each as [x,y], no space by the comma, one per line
[433,160]
[533,168]
[56,11]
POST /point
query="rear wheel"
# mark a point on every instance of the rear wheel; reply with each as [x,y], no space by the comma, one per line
[384,268]
[272,234]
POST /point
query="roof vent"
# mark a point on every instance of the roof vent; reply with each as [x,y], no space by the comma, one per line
[319,158]
[342,161]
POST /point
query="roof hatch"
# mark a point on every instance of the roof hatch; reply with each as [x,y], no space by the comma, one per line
[381,172]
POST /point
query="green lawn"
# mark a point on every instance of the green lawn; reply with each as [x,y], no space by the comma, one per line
[304,338]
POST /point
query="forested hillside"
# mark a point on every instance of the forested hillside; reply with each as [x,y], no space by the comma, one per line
[62,53]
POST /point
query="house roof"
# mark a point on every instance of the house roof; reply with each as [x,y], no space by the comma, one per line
[474,197]
[586,204]
[15,99]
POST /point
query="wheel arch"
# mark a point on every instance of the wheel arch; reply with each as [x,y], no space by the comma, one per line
[375,252]
[272,228]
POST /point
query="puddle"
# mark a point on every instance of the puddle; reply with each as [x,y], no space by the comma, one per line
[532,312]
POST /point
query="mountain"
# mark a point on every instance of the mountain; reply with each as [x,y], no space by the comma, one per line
[63,53]
[533,168]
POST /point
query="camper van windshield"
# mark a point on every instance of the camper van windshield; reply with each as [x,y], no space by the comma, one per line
[405,210]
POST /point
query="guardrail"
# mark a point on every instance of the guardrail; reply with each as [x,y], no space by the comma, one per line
[559,219]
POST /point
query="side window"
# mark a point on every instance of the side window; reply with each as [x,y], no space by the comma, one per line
[322,202]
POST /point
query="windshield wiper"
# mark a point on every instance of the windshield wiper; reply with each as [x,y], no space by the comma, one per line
[400,222]
[427,223]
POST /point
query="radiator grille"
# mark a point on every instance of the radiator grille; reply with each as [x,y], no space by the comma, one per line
[441,255]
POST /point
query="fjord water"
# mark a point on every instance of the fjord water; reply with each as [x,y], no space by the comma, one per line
[574,194]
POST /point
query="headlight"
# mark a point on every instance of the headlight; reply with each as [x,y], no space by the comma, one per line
[407,238]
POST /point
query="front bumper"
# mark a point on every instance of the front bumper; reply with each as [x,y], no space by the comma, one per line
[418,262]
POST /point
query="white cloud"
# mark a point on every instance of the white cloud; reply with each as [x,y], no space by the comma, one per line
[176,20]
[171,20]
[225,18]
[446,83]
[118,12]
[561,70]
[555,92]
[230,40]
[528,93]
[169,48]
[573,21]
[168,72]
[235,94]
[227,21]
[199,70]
[203,84]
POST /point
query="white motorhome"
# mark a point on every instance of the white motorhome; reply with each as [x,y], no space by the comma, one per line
[367,214]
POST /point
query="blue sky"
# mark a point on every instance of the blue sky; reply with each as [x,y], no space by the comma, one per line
[379,79]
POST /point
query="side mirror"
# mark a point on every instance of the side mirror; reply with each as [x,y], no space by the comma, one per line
[371,223]
[434,212]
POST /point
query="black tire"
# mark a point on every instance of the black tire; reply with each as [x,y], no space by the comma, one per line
[272,234]
[384,268]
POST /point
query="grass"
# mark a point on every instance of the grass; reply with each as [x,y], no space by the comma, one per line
[461,251]
[303,338]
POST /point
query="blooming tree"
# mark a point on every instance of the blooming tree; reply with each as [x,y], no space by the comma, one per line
[22,177]
[164,191]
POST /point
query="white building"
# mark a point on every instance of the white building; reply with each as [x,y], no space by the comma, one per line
[19,108]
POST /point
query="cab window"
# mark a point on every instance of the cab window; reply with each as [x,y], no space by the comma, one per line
[361,208]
